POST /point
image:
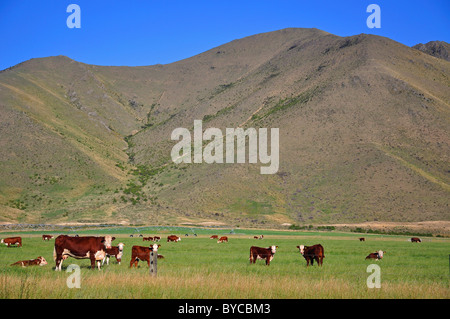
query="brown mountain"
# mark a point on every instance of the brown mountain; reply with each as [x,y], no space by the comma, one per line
[364,134]
[438,49]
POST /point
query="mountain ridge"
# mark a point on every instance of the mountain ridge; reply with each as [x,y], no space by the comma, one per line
[354,113]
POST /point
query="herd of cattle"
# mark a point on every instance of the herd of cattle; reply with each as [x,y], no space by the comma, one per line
[100,249]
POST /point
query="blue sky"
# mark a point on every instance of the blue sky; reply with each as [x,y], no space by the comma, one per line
[146,32]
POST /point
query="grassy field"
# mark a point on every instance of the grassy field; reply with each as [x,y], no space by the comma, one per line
[197,267]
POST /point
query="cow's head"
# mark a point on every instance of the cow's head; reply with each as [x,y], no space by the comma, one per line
[302,249]
[107,241]
[273,249]
[121,245]
[42,261]
[154,247]
[380,253]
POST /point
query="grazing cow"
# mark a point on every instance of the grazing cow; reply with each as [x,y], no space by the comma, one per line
[416,240]
[88,247]
[12,241]
[40,261]
[214,237]
[362,239]
[116,251]
[147,238]
[376,255]
[311,253]
[262,253]
[47,237]
[223,239]
[156,238]
[173,238]
[143,254]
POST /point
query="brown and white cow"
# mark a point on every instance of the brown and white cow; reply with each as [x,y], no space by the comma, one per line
[147,238]
[262,253]
[311,253]
[12,241]
[173,238]
[214,237]
[416,240]
[223,239]
[116,251]
[376,255]
[88,247]
[47,237]
[143,254]
[362,239]
[39,261]
[156,238]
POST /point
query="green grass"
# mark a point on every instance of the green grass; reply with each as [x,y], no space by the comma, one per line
[197,267]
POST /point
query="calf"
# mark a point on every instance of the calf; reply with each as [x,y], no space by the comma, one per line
[223,239]
[114,251]
[47,237]
[12,241]
[156,238]
[262,253]
[376,255]
[173,238]
[311,253]
[147,238]
[142,253]
[214,237]
[40,261]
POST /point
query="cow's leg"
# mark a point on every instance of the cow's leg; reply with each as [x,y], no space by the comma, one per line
[92,258]
[59,261]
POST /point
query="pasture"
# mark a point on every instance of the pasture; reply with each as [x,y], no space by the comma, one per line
[199,267]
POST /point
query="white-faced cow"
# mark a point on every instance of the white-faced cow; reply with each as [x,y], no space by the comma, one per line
[47,237]
[223,239]
[12,241]
[311,253]
[89,247]
[143,254]
[376,255]
[416,240]
[173,238]
[262,253]
[116,251]
[39,261]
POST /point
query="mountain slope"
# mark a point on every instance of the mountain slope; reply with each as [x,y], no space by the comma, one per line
[363,134]
[438,49]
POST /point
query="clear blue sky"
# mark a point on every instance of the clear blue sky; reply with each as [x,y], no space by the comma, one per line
[145,32]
